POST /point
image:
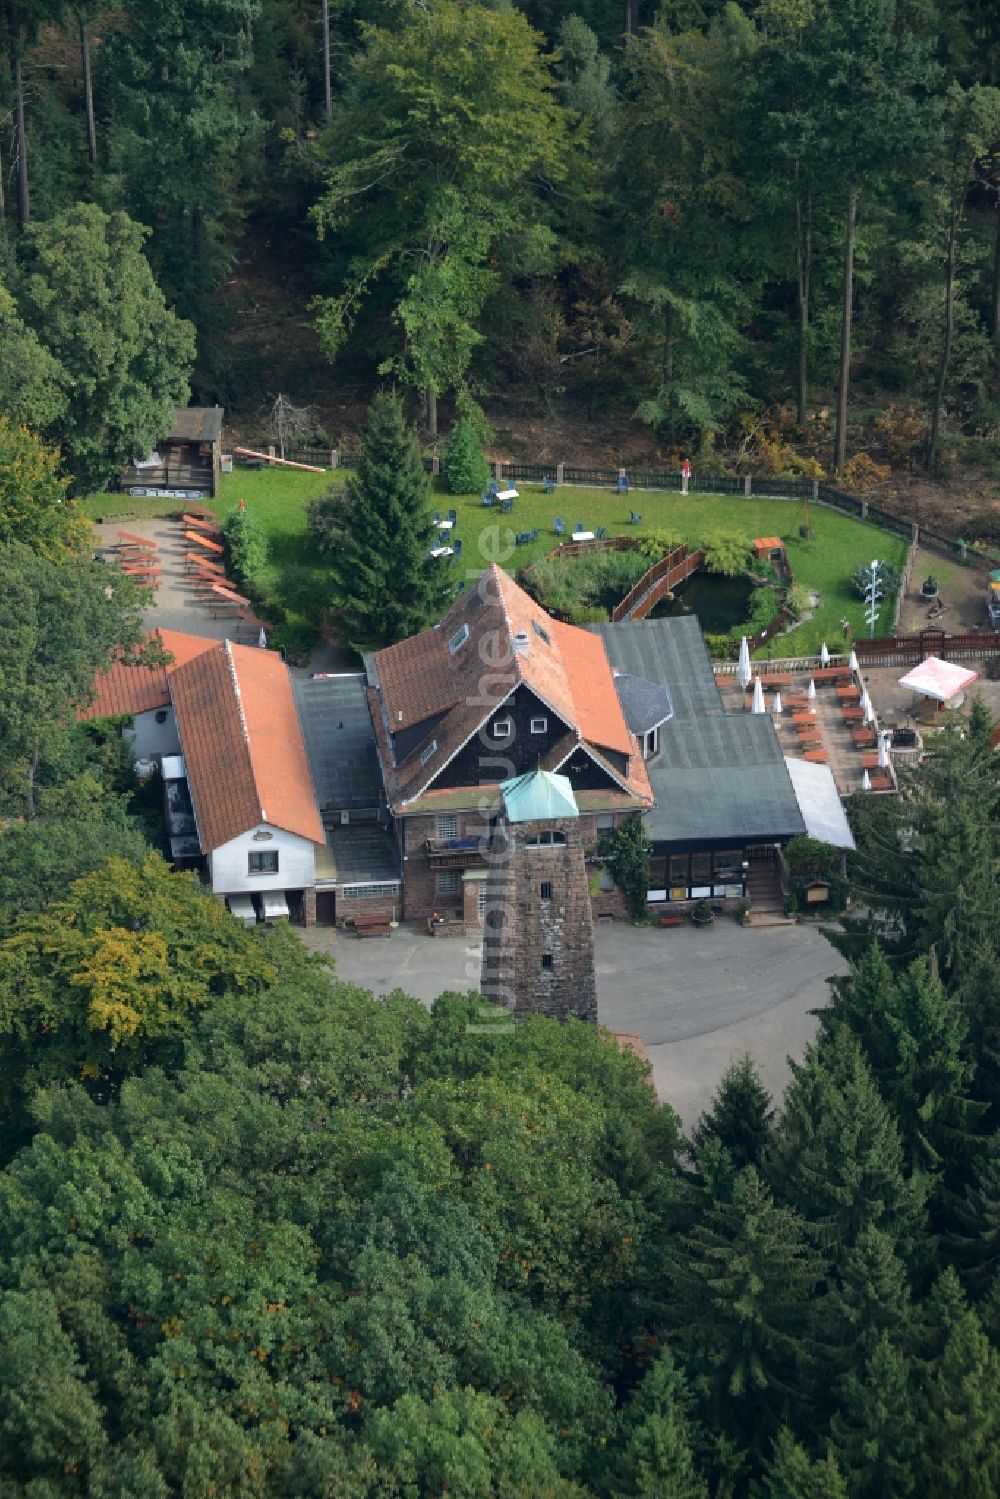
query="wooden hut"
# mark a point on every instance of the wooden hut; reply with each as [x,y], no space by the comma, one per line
[186,462]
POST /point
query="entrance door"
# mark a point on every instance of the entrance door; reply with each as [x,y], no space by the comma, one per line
[326,908]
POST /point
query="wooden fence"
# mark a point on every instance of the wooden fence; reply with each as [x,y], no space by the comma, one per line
[656,582]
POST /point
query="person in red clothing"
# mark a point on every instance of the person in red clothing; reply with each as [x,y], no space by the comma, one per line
[685,475]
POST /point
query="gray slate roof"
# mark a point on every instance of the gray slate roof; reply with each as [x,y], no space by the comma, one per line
[718,775]
[340,743]
[645,704]
[359,854]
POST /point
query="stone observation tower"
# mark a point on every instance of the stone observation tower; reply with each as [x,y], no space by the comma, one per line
[538,932]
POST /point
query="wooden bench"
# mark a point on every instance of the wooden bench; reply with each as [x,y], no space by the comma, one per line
[864,738]
[817,757]
[852,715]
[371,926]
[869,760]
[848,694]
[672,920]
[831,674]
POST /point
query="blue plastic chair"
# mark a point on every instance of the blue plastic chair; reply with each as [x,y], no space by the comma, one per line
[460,585]
[622,484]
[533,535]
[453,516]
[635,519]
[578,528]
[486,498]
[494,488]
[506,506]
[456,546]
[601,532]
[559,526]
[548,485]
[437,516]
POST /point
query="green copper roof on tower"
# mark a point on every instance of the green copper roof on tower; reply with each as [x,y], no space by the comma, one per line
[537,795]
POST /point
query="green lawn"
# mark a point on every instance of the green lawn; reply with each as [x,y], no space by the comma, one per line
[824,563]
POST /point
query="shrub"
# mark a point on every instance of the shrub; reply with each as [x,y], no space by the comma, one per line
[465,468]
[764,610]
[727,552]
[627,852]
[863,474]
[246,545]
[326,518]
[799,599]
[657,544]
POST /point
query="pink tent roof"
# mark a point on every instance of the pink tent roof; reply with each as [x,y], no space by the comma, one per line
[938,679]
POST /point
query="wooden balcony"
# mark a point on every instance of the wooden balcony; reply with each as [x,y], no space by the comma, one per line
[455,853]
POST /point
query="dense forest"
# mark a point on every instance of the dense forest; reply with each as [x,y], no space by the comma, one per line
[769,230]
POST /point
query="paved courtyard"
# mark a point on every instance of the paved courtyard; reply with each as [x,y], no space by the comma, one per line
[698,998]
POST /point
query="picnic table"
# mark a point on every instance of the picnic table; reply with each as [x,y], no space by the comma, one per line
[817,757]
[507,494]
[583,535]
[202,541]
[444,525]
[869,760]
[804,716]
[831,674]
[864,738]
[442,551]
[852,714]
[850,694]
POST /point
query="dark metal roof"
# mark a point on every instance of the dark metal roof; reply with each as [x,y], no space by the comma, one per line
[645,704]
[196,424]
[718,775]
[361,854]
[669,651]
[340,743]
[721,777]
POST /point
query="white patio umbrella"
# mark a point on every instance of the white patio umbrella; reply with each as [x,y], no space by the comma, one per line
[824,655]
[758,696]
[262,642]
[743,668]
[866,782]
[777,704]
[883,749]
[868,712]
[811,690]
[852,659]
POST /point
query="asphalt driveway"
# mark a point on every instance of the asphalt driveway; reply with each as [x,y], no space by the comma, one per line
[699,997]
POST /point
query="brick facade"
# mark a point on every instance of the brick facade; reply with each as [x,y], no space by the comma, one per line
[372,905]
[538,939]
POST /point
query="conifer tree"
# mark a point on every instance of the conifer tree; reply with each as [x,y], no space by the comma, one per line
[874,1429]
[740,1116]
[960,1417]
[973,1242]
[658,1455]
[871,1298]
[741,1281]
[387,584]
[792,1474]
[465,468]
[838,1158]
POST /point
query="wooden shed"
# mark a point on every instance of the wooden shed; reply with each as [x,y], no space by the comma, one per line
[186,462]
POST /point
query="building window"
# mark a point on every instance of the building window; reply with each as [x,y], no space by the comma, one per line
[161,716]
[539,726]
[547,961]
[546,839]
[428,752]
[447,882]
[651,744]
[727,865]
[546,888]
[605,880]
[447,827]
[458,639]
[605,822]
[368,892]
[503,728]
[481,901]
[263,861]
[541,632]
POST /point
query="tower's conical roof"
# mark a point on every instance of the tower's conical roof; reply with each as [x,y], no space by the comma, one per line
[537,795]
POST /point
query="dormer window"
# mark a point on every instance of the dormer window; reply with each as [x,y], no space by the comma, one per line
[458,639]
[651,744]
[503,728]
[541,632]
[427,754]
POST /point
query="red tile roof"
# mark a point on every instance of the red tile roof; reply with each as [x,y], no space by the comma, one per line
[242,744]
[511,642]
[131,689]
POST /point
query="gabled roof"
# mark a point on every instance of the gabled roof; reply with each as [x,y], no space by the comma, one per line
[127,688]
[645,704]
[494,639]
[196,424]
[242,743]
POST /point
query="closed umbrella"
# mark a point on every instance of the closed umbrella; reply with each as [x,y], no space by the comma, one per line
[824,655]
[866,782]
[777,703]
[262,642]
[811,690]
[883,750]
[868,712]
[743,668]
[758,696]
[852,660]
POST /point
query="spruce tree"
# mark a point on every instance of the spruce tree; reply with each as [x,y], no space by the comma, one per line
[387,584]
[972,1243]
[792,1474]
[740,1116]
[960,1417]
[658,1456]
[741,1281]
[838,1158]
[871,1297]
[875,1429]
[465,468]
